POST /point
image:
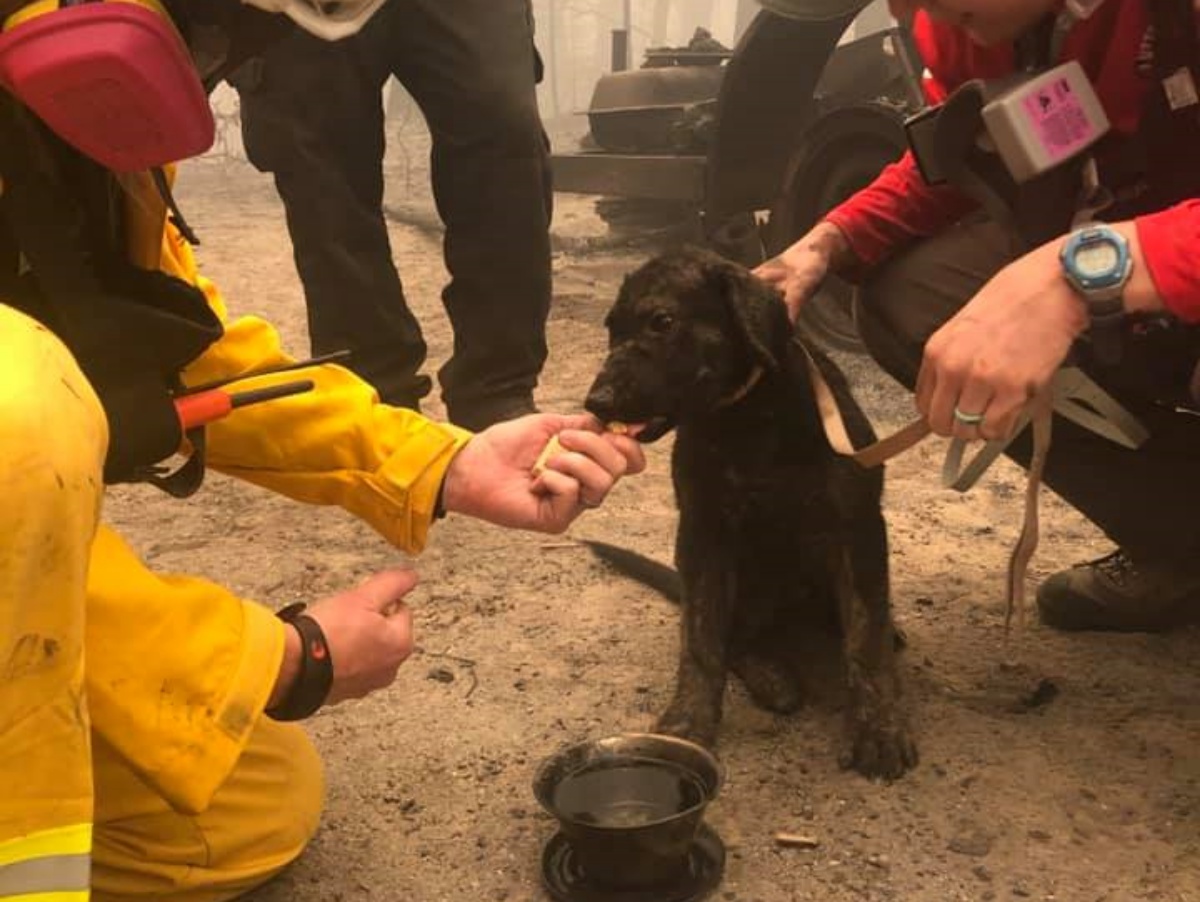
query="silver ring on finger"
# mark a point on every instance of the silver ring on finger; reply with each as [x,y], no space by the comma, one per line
[967,419]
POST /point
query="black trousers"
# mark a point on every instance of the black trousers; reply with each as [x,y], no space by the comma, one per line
[1147,501]
[312,115]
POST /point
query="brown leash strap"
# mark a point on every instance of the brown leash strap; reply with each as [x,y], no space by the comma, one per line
[1098,412]
[835,427]
[961,478]
[1041,411]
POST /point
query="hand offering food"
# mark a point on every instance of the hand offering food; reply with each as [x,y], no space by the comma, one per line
[553,447]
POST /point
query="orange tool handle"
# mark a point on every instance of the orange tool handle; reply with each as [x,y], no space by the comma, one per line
[205,406]
[196,410]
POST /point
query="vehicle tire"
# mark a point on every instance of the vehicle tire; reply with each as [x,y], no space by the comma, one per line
[843,151]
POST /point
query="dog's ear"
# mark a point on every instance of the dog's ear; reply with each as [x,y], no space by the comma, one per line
[756,309]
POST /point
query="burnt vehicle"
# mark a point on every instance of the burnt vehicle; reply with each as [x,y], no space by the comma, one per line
[758,142]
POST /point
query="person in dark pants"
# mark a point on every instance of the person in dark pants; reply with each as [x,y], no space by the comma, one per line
[312,115]
[954,308]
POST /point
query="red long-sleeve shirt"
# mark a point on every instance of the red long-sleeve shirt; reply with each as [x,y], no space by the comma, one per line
[899,206]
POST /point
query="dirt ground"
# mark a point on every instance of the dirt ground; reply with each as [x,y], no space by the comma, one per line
[527,644]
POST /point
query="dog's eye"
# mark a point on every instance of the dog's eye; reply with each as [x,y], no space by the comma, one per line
[662,322]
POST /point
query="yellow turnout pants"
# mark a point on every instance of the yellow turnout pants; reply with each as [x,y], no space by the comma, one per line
[78,818]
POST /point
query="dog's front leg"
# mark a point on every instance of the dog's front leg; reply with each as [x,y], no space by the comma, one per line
[695,711]
[880,745]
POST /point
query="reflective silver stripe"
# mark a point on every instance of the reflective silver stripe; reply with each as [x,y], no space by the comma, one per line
[50,874]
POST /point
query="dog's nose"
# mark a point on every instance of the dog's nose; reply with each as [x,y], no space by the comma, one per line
[600,401]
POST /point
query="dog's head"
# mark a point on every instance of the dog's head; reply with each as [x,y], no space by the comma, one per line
[689,331]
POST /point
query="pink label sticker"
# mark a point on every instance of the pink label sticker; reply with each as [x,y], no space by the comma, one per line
[1058,119]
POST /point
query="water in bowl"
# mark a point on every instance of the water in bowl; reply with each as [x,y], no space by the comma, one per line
[627,792]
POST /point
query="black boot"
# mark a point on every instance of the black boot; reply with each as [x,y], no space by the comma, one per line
[1114,593]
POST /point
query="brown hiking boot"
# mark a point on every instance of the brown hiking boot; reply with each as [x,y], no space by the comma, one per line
[1113,593]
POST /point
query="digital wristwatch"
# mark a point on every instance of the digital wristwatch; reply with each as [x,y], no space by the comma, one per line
[1096,263]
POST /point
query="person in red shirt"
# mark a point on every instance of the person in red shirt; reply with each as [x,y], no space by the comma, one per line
[950,310]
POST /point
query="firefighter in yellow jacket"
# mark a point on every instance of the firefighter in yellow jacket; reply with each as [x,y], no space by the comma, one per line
[145,751]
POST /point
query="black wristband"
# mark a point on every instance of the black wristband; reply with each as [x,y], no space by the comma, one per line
[315,676]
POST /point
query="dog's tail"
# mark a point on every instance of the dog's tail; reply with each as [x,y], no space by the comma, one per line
[649,572]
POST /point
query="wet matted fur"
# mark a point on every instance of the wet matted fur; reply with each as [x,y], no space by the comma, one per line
[779,537]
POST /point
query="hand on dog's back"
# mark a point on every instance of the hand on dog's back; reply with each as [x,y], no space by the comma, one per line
[798,272]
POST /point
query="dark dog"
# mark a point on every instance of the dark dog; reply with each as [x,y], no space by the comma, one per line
[779,536]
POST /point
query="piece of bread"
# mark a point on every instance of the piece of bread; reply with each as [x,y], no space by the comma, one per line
[553,447]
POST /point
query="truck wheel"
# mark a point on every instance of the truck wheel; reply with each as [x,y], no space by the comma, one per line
[846,151]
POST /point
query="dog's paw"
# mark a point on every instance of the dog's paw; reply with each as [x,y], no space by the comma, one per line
[686,725]
[772,685]
[880,751]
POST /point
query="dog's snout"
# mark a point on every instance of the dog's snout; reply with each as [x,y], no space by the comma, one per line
[601,399]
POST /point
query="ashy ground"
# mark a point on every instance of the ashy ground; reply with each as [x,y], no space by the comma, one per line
[527,644]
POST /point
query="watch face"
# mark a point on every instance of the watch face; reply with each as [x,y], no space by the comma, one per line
[1097,259]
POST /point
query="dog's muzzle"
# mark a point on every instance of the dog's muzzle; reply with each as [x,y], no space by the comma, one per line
[601,403]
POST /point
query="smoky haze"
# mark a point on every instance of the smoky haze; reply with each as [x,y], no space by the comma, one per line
[575,38]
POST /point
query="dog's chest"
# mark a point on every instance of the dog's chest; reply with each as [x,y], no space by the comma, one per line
[745,480]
